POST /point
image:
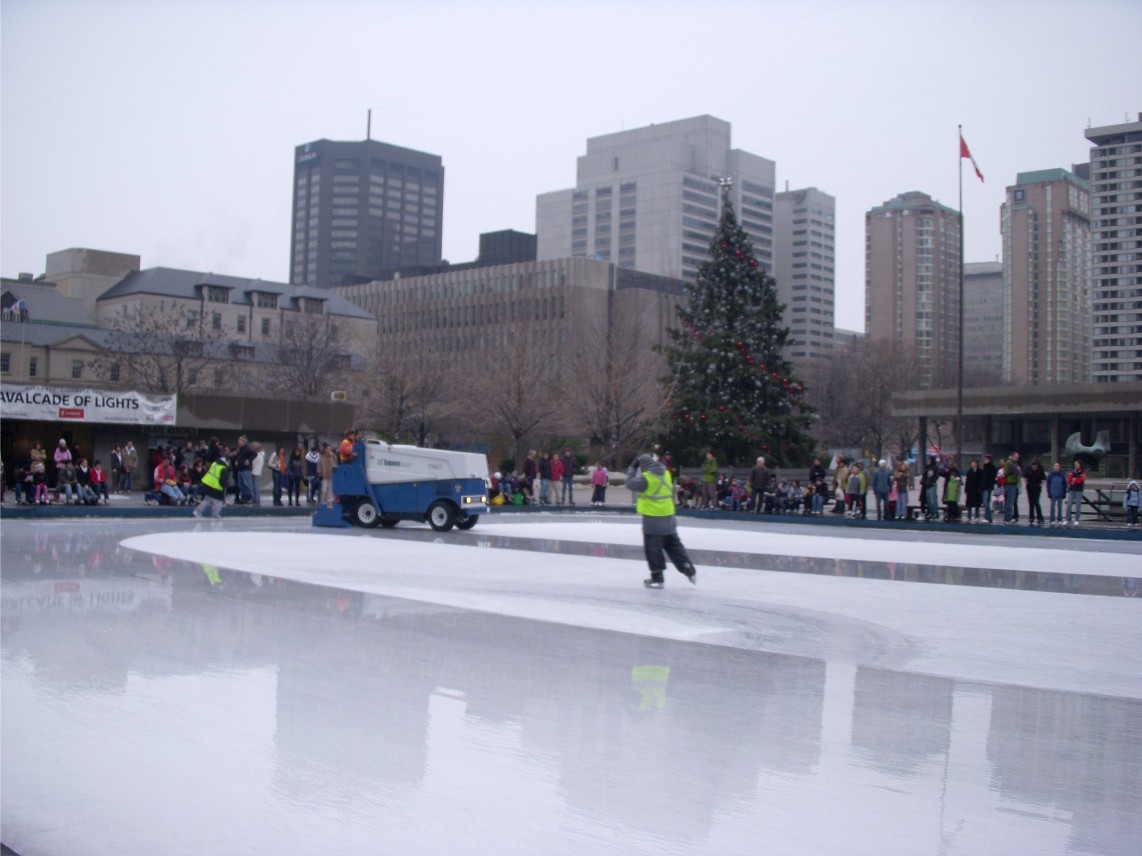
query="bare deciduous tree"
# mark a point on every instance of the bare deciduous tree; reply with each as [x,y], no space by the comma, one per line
[521,394]
[409,394]
[613,387]
[313,356]
[852,392]
[160,348]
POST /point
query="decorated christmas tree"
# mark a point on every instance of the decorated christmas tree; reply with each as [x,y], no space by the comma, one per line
[729,388]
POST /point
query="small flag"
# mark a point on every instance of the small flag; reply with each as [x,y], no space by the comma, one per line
[966,153]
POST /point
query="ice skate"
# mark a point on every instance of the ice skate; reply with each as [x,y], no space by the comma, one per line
[653,582]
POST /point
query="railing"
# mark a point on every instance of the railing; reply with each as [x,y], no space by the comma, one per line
[1105,505]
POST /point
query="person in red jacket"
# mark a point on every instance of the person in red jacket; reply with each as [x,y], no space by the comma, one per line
[1075,480]
[556,474]
[166,482]
[98,478]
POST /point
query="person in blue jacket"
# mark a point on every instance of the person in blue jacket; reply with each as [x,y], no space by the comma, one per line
[1056,493]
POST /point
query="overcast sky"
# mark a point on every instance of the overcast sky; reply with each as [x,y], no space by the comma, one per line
[167,128]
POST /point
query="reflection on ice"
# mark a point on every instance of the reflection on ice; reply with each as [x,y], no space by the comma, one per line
[304,718]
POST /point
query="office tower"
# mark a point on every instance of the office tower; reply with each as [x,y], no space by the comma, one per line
[1116,224]
[363,210]
[984,301]
[1046,279]
[912,282]
[649,198]
[804,245]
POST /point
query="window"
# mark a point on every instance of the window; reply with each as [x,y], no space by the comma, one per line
[217,294]
[216,321]
[5,363]
[265,326]
[76,369]
[191,320]
[192,376]
[219,377]
[33,366]
[241,323]
[267,301]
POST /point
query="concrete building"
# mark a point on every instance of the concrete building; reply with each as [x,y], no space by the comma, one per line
[87,274]
[912,281]
[648,199]
[236,325]
[493,355]
[1045,222]
[481,312]
[362,210]
[983,323]
[1116,223]
[166,356]
[805,269]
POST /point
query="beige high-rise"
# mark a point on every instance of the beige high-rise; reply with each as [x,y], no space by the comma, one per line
[804,250]
[1046,279]
[912,282]
[1116,221]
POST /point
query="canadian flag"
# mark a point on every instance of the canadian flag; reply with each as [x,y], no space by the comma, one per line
[965,152]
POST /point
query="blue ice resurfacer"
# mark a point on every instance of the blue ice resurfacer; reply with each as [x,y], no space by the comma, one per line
[385,484]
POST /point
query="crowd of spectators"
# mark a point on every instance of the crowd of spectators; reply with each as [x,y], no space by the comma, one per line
[66,477]
[989,491]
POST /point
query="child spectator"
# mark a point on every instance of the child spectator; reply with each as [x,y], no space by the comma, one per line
[736,495]
[599,479]
[1131,501]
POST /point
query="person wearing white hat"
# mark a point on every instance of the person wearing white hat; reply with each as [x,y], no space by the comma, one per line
[881,486]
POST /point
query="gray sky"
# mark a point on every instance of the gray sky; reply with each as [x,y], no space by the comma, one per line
[167,128]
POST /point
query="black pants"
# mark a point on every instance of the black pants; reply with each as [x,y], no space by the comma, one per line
[1036,511]
[656,545]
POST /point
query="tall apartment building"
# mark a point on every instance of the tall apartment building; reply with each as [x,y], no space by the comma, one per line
[1045,222]
[362,210]
[912,282]
[984,302]
[648,199]
[804,249]
[1116,224]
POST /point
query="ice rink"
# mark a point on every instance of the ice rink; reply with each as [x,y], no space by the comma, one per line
[259,686]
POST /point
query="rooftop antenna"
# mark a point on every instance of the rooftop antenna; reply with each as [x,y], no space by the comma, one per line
[369,124]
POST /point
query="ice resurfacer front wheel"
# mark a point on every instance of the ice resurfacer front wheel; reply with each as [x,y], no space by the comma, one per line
[441,516]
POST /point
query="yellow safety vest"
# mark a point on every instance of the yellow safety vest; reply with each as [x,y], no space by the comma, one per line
[658,498]
[213,476]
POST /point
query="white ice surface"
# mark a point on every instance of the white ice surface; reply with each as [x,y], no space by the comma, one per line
[1036,639]
[996,555]
[147,710]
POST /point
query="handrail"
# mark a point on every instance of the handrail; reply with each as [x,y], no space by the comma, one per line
[1104,499]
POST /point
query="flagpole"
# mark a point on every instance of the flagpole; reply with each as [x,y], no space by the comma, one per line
[960,350]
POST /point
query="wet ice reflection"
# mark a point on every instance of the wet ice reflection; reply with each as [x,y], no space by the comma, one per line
[159,706]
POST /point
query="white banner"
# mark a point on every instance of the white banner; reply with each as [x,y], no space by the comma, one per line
[59,404]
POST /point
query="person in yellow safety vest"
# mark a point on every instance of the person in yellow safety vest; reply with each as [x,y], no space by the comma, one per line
[213,487]
[650,481]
